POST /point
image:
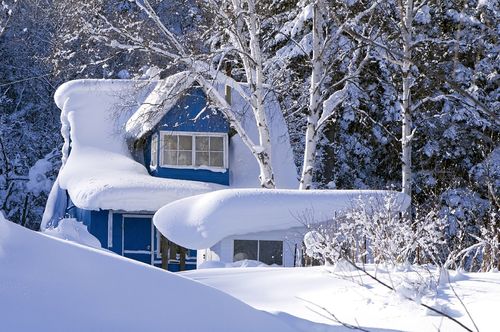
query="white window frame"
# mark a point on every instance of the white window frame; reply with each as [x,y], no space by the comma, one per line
[154,159]
[193,150]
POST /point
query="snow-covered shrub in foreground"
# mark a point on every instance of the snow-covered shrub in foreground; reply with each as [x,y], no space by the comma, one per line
[473,231]
[373,231]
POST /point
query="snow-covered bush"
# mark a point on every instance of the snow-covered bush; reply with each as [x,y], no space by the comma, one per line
[374,231]
[473,234]
[459,230]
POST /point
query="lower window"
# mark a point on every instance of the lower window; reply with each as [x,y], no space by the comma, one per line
[268,252]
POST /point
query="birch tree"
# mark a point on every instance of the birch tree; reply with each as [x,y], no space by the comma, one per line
[324,101]
[400,54]
[242,27]
[325,47]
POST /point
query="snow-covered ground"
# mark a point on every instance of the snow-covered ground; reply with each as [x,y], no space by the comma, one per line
[318,298]
[50,284]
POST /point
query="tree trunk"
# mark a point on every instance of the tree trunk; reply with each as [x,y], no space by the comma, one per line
[315,107]
[406,137]
[256,79]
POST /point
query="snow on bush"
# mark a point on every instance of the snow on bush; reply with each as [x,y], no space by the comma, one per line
[39,181]
[472,231]
[373,231]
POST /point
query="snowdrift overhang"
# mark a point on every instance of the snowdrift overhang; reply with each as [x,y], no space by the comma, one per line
[199,222]
[99,171]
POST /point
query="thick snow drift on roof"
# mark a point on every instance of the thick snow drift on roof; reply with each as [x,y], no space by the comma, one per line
[48,284]
[100,172]
[199,222]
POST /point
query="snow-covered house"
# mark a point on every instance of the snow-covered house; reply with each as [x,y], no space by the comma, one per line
[126,155]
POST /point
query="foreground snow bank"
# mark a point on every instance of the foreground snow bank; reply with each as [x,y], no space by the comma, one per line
[47,284]
[200,221]
[319,298]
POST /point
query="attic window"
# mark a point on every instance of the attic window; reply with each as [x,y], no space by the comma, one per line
[194,150]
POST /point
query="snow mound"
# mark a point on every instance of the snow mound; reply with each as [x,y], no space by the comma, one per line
[246,263]
[199,222]
[343,266]
[52,285]
[242,263]
[71,229]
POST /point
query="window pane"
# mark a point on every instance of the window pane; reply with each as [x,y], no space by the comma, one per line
[202,159]
[154,148]
[185,158]
[170,142]
[245,249]
[170,158]
[216,144]
[271,252]
[217,159]
[185,143]
[202,143]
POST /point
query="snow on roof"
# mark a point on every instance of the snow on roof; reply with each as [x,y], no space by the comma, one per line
[100,172]
[199,222]
[163,97]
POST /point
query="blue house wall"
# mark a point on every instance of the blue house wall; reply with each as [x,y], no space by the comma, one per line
[185,117]
[97,225]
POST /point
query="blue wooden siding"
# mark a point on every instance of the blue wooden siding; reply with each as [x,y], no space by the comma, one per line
[97,224]
[184,117]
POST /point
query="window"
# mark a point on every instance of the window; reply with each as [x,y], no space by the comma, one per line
[194,150]
[268,252]
[245,249]
[271,252]
[154,151]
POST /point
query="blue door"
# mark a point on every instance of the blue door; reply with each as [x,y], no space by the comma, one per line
[137,235]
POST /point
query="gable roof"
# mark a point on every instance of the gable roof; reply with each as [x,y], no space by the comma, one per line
[100,172]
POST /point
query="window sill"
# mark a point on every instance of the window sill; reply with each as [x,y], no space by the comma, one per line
[207,168]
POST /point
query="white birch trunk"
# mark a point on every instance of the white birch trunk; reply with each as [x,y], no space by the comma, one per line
[315,105]
[406,135]
[252,62]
